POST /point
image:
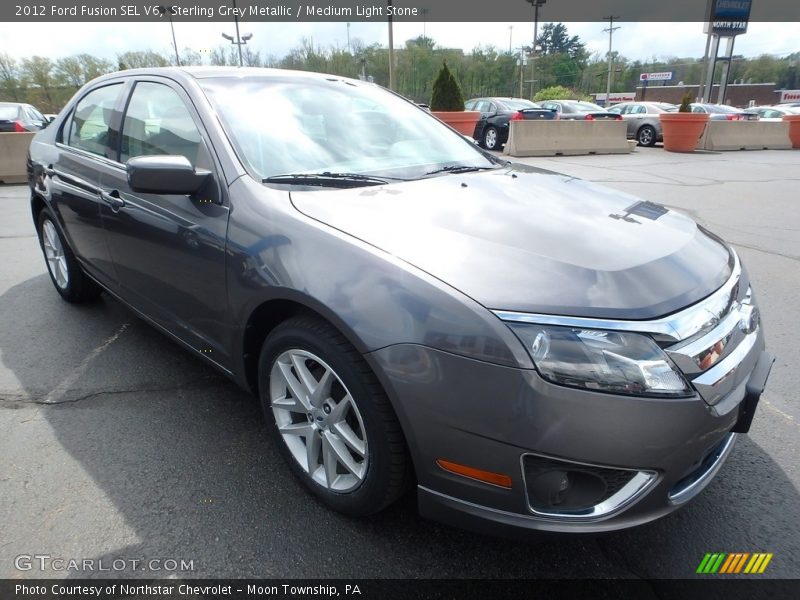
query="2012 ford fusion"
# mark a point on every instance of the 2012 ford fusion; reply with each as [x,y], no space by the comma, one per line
[527,350]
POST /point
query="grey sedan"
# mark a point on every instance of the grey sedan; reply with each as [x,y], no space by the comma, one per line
[642,119]
[523,349]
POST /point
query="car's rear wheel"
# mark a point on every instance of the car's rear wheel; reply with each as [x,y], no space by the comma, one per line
[68,278]
[332,421]
[646,136]
[489,138]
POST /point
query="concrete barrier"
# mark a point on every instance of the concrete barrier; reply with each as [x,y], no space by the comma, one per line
[13,153]
[552,138]
[745,135]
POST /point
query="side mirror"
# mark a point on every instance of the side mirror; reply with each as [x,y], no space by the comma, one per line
[164,174]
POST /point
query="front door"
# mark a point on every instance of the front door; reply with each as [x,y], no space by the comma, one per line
[169,250]
[85,148]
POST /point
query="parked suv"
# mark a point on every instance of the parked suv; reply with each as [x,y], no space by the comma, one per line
[527,350]
[644,125]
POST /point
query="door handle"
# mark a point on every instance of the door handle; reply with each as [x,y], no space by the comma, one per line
[112,199]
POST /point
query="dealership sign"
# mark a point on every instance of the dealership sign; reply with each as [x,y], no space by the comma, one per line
[616,97]
[666,76]
[790,96]
[729,17]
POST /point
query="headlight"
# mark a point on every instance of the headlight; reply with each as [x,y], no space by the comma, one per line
[607,361]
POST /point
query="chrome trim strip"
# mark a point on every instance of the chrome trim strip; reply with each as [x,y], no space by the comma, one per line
[711,347]
[703,479]
[728,364]
[691,321]
[625,497]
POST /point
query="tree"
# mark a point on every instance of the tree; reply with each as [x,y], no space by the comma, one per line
[447,94]
[38,70]
[554,39]
[69,71]
[141,59]
[10,77]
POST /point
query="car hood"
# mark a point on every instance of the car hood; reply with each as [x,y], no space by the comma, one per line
[520,239]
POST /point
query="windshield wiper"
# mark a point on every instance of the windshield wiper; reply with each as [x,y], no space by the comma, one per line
[327,179]
[457,169]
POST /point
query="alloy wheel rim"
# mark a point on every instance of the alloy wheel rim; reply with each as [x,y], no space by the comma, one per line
[491,138]
[645,136]
[54,253]
[319,420]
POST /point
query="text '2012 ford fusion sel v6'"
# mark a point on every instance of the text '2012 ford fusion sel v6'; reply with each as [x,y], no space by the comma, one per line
[530,350]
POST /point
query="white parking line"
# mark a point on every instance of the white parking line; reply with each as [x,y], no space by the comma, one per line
[57,393]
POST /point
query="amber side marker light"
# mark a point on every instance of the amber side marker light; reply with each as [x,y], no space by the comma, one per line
[497,479]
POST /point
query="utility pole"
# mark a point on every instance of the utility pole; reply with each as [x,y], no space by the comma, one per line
[537,4]
[391,47]
[170,10]
[348,38]
[610,29]
[510,33]
[240,40]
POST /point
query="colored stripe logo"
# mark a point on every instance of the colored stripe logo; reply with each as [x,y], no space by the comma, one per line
[734,562]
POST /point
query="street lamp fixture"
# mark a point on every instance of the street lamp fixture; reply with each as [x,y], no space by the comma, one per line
[240,40]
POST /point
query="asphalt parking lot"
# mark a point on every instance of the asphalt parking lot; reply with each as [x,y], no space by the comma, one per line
[114,442]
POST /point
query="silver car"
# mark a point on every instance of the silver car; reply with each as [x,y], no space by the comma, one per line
[642,119]
[523,349]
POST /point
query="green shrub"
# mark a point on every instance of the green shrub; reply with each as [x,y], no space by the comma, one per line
[447,95]
[685,102]
[556,92]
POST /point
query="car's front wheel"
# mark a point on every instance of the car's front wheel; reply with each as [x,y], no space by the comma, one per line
[68,278]
[489,138]
[331,419]
[646,136]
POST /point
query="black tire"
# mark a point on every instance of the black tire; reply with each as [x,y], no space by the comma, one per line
[490,138]
[78,286]
[646,136]
[388,467]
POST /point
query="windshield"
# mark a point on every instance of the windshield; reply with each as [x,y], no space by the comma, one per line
[8,113]
[313,125]
[517,104]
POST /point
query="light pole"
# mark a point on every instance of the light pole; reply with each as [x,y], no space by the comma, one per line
[611,29]
[170,10]
[240,40]
[348,38]
[536,5]
[510,33]
[391,46]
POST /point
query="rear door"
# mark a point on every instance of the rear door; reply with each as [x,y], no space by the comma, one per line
[169,250]
[85,144]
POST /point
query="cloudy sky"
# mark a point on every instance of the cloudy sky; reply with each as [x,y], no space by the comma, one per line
[634,40]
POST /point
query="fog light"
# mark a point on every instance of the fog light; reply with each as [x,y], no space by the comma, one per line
[566,489]
[562,489]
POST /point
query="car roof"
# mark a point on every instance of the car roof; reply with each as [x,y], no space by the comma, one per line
[208,72]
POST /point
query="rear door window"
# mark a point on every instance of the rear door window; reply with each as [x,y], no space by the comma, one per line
[91,121]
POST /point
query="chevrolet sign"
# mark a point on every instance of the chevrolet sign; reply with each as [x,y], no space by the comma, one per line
[729,17]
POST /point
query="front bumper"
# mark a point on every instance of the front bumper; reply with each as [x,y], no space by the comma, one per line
[489,417]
